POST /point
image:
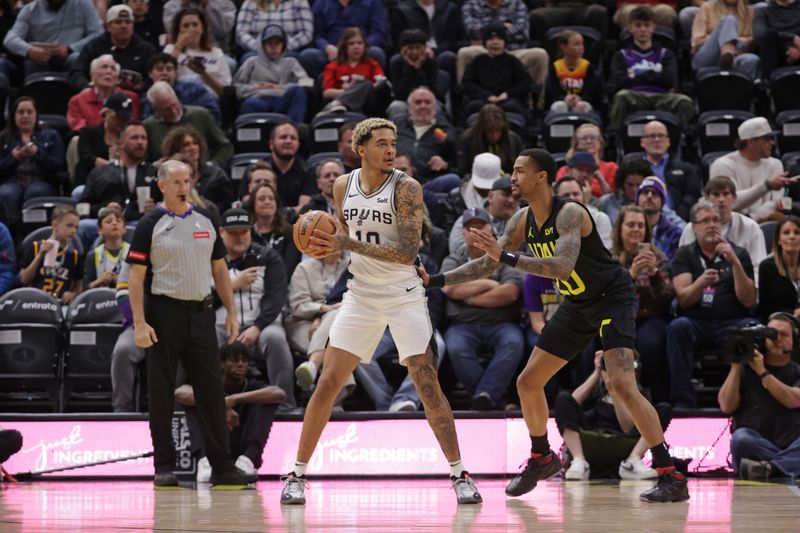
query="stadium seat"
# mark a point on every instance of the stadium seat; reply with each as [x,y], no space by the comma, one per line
[30,347]
[718,89]
[664,37]
[633,127]
[558,128]
[251,131]
[325,130]
[58,123]
[44,233]
[768,229]
[717,130]
[788,125]
[51,90]
[705,163]
[515,120]
[791,160]
[93,325]
[36,212]
[240,162]
[592,42]
[784,83]
[315,159]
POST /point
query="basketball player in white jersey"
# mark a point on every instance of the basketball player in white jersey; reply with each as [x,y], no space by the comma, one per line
[380,214]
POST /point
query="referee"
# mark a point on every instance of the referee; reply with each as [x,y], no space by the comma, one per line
[176,251]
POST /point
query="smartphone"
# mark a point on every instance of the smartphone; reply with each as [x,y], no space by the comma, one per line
[130,77]
[644,247]
[196,61]
[250,260]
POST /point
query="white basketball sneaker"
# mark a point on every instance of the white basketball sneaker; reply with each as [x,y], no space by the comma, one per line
[578,470]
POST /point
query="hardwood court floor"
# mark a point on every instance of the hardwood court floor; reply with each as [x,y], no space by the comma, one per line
[396,505]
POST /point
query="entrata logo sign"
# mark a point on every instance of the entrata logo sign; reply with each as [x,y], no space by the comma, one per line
[6,303]
[40,306]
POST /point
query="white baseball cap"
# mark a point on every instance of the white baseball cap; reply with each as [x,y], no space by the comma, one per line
[120,11]
[485,170]
[754,128]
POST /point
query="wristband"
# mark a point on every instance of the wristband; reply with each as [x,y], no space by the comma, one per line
[508,258]
[766,184]
[436,281]
[764,374]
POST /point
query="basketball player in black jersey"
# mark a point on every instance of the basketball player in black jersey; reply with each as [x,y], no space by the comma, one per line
[598,298]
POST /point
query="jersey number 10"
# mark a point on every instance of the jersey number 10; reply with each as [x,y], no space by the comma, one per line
[373,237]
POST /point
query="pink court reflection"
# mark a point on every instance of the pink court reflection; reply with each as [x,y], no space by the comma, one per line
[395,505]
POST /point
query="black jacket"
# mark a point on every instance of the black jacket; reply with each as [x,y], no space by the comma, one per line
[317,203]
[440,139]
[108,184]
[406,78]
[91,145]
[133,57]
[215,185]
[487,76]
[446,27]
[275,290]
[684,185]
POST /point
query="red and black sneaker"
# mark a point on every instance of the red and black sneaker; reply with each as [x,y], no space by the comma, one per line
[536,469]
[670,487]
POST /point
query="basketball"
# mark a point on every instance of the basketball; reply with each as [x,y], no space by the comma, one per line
[305,226]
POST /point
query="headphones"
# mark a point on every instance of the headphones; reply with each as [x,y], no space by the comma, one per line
[795,323]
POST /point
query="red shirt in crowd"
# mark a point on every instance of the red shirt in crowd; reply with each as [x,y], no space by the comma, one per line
[334,71]
[84,108]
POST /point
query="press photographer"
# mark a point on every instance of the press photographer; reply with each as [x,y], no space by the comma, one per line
[763,395]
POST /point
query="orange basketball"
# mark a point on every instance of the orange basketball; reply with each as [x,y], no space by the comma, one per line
[305,226]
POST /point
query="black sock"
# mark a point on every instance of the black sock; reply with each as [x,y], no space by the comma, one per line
[539,445]
[661,457]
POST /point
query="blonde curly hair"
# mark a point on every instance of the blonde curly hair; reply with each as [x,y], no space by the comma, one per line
[363,130]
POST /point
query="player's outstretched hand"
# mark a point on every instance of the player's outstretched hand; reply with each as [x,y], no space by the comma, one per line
[324,244]
[422,272]
[487,243]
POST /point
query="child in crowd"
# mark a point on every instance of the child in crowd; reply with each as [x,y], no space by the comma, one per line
[573,83]
[103,262]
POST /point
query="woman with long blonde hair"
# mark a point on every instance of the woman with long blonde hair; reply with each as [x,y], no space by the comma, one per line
[722,35]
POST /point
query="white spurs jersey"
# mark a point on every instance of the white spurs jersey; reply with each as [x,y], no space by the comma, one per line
[372,218]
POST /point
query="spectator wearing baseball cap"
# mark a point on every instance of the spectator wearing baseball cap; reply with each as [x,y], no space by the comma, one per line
[500,207]
[759,177]
[483,317]
[270,82]
[129,50]
[667,228]
[496,77]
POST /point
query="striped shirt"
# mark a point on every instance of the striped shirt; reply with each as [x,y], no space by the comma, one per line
[177,250]
[294,16]
[478,14]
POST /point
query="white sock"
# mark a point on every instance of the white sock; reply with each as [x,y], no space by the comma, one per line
[457,468]
[300,468]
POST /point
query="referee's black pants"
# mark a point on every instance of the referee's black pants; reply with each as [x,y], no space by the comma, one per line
[185,333]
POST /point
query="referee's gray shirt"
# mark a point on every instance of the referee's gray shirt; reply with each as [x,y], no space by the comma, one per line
[177,250]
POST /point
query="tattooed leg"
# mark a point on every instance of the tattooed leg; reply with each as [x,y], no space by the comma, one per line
[422,369]
[622,386]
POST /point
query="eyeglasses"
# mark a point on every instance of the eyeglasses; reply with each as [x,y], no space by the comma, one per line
[649,192]
[708,220]
[655,136]
[588,138]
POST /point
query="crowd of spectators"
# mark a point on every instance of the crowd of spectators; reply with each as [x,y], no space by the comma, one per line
[155,80]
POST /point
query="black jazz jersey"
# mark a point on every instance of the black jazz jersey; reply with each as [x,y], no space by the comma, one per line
[594,270]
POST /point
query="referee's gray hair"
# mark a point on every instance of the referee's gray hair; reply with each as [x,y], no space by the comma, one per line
[160,88]
[169,166]
[701,205]
[96,62]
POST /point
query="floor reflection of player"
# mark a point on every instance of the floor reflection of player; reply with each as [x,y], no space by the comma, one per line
[598,298]
[383,209]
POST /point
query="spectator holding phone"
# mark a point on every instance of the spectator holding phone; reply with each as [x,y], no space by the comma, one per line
[128,49]
[260,288]
[649,270]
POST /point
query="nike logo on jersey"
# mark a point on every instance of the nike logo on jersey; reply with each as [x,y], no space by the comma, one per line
[351,195]
[410,289]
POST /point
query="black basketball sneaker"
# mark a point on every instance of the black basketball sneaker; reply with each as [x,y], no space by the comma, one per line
[536,469]
[670,487]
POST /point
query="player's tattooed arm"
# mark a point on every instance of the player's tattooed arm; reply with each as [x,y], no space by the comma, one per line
[408,217]
[485,265]
[568,223]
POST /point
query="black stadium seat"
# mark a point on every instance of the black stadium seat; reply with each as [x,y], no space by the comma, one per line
[718,130]
[325,130]
[705,163]
[251,131]
[36,212]
[718,89]
[592,42]
[558,128]
[30,347]
[44,233]
[515,120]
[784,83]
[316,159]
[664,37]
[93,326]
[51,90]
[630,134]
[788,125]
[240,162]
